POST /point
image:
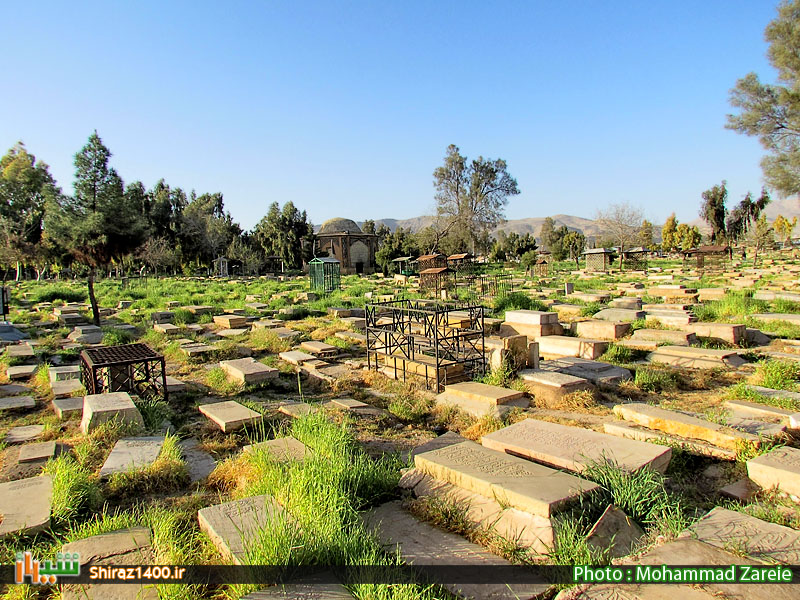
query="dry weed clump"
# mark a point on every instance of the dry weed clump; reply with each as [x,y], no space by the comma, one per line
[232,474]
[580,401]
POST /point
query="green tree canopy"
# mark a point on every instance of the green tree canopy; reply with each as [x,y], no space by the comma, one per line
[714,212]
[286,233]
[771,112]
[471,195]
[96,224]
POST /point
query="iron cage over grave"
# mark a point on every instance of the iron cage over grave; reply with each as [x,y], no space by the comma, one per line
[132,368]
[440,342]
[324,273]
[635,259]
[709,258]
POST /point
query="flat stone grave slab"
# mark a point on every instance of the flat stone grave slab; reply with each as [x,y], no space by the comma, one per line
[230,415]
[622,315]
[632,431]
[603,330]
[18,372]
[599,373]
[66,388]
[166,328]
[319,348]
[13,389]
[573,448]
[508,479]
[15,402]
[25,433]
[768,317]
[101,408]
[350,336]
[666,336]
[175,386]
[199,462]
[444,440]
[683,425]
[231,321]
[423,544]
[731,334]
[23,351]
[121,547]
[68,407]
[248,370]
[232,333]
[38,451]
[25,505]
[778,468]
[761,540]
[281,449]
[132,453]
[284,333]
[615,531]
[196,349]
[267,324]
[315,587]
[350,404]
[62,373]
[233,526]
[550,387]
[297,409]
[86,334]
[295,357]
[198,310]
[696,358]
[480,399]
[558,346]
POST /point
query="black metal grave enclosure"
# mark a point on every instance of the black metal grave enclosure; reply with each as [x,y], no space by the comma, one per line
[132,368]
[441,342]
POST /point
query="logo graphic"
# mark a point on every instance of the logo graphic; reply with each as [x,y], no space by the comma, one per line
[66,565]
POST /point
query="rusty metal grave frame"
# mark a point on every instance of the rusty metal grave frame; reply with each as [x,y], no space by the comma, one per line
[407,329]
[132,368]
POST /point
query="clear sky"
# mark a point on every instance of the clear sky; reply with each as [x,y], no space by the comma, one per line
[346,108]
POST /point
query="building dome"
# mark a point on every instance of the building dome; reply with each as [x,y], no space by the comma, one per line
[339,225]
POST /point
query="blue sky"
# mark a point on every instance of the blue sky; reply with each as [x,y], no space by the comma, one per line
[346,108]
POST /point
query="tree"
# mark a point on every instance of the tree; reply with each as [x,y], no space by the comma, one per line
[762,237]
[669,240]
[574,244]
[557,249]
[744,215]
[368,226]
[691,238]
[471,196]
[714,212]
[646,234]
[25,188]
[783,227]
[96,224]
[158,253]
[247,251]
[395,245]
[287,233]
[771,112]
[527,260]
[621,222]
[546,233]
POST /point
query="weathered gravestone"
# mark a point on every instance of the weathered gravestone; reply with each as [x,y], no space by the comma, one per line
[101,408]
[25,505]
[132,453]
[230,415]
[575,448]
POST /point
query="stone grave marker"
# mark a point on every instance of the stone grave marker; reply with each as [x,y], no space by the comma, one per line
[37,451]
[230,415]
[121,547]
[616,531]
[68,407]
[25,505]
[511,480]
[778,468]
[480,399]
[66,388]
[101,408]
[232,526]
[131,453]
[15,402]
[572,448]
[25,433]
[63,373]
[295,357]
[281,449]
[199,462]
[248,370]
[17,372]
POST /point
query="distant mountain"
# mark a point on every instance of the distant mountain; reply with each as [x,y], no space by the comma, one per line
[520,226]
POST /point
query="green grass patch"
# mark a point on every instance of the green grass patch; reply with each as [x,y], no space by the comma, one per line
[649,379]
[516,301]
[167,473]
[266,340]
[217,380]
[741,391]
[777,374]
[75,490]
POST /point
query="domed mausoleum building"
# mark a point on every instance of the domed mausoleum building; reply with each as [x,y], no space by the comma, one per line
[344,240]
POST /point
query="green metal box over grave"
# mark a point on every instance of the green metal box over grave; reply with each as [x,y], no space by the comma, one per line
[324,273]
